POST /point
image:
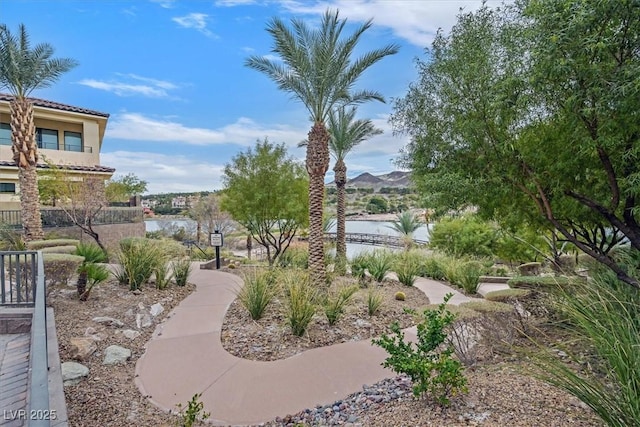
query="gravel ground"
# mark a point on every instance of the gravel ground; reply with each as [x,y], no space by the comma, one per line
[500,393]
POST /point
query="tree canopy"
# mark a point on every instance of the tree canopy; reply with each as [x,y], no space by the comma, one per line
[265,190]
[530,113]
[121,188]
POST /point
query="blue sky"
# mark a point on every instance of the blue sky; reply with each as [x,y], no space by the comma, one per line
[171,74]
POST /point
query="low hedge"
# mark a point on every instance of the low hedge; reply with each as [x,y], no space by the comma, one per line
[488,307]
[540,282]
[505,295]
[59,268]
[41,244]
[70,249]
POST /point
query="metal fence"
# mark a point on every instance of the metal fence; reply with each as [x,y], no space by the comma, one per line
[59,218]
[18,278]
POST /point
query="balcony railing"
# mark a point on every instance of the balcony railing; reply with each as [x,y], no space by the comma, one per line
[58,218]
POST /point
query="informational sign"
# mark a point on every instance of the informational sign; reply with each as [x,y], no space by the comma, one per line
[216,239]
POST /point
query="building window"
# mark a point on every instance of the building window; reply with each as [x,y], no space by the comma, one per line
[7,187]
[73,141]
[5,134]
[47,138]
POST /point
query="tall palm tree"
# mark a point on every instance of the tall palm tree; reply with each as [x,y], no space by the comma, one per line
[317,68]
[346,133]
[22,70]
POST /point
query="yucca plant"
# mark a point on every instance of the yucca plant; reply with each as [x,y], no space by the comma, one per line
[374,302]
[96,274]
[300,305]
[379,263]
[258,291]
[335,303]
[163,274]
[359,267]
[468,276]
[138,258]
[406,268]
[181,271]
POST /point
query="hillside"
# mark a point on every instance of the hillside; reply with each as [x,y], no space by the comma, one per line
[395,179]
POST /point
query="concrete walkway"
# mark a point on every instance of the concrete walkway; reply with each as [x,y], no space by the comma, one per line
[185,356]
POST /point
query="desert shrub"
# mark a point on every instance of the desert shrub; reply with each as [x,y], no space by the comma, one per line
[162,274]
[406,266]
[604,317]
[300,305]
[464,236]
[138,258]
[400,296]
[378,264]
[429,362]
[450,268]
[194,413]
[11,239]
[468,276]
[59,268]
[91,252]
[359,266]
[96,274]
[35,245]
[259,290]
[497,324]
[336,302]
[181,269]
[295,257]
[70,249]
[433,267]
[374,302]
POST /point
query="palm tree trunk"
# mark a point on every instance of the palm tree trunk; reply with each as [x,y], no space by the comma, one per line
[340,170]
[25,154]
[317,163]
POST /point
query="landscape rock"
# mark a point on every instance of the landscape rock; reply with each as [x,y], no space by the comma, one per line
[131,334]
[143,320]
[73,373]
[156,309]
[82,348]
[110,321]
[114,354]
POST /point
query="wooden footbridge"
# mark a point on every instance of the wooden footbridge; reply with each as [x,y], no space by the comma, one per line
[374,239]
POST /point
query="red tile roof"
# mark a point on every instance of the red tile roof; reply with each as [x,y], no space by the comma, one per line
[55,105]
[96,168]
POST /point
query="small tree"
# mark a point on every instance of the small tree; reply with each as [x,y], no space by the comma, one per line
[209,217]
[122,188]
[266,192]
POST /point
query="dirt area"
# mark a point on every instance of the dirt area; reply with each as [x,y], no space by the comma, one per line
[500,391]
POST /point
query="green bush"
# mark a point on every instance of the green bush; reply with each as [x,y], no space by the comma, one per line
[336,302]
[374,302]
[59,268]
[294,258]
[429,362]
[70,249]
[406,266]
[91,252]
[258,291]
[96,274]
[468,276]
[464,236]
[506,295]
[433,266]
[181,270]
[539,282]
[162,274]
[378,264]
[35,245]
[138,258]
[300,305]
[359,266]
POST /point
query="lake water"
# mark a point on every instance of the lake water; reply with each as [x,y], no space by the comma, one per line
[373,227]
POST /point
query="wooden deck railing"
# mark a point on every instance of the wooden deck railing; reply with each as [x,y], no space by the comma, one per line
[374,239]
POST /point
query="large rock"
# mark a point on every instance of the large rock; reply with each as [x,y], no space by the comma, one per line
[73,373]
[110,321]
[114,355]
[156,309]
[131,334]
[82,348]
[143,320]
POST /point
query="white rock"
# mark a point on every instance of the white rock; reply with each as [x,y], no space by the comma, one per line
[143,320]
[131,334]
[156,309]
[73,373]
[114,354]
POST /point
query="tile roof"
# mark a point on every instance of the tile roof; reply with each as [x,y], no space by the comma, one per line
[96,168]
[56,105]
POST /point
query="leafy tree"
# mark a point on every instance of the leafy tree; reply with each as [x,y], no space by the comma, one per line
[530,113]
[22,70]
[266,192]
[124,187]
[377,205]
[319,70]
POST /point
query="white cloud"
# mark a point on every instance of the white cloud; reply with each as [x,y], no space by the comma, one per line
[245,132]
[167,4]
[412,20]
[272,57]
[166,173]
[196,21]
[129,85]
[232,3]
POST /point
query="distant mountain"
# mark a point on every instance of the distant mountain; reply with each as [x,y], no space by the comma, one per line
[395,179]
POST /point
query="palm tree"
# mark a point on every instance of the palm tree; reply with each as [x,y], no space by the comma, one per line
[405,224]
[22,70]
[345,133]
[317,68]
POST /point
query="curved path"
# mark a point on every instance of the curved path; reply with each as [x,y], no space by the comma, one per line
[185,356]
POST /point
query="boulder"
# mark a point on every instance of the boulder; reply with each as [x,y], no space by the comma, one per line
[114,354]
[143,320]
[156,309]
[82,348]
[73,373]
[110,321]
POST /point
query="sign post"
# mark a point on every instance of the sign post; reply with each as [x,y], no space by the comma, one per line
[216,241]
